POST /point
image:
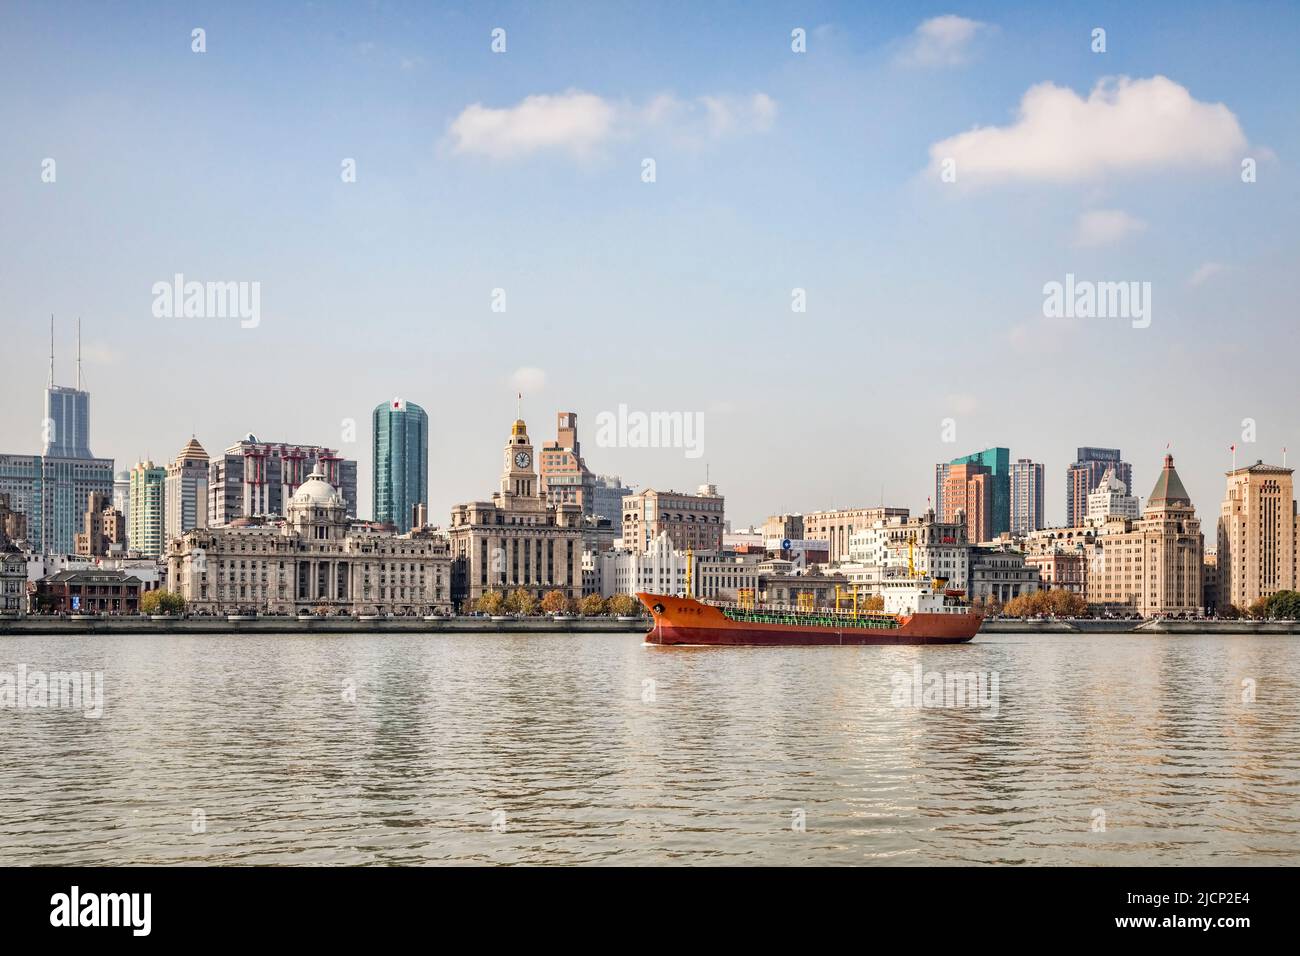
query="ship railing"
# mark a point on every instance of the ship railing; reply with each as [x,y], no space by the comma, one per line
[847,613]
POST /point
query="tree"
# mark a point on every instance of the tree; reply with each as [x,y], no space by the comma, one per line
[1229,612]
[624,605]
[521,602]
[874,602]
[161,602]
[489,602]
[1258,609]
[555,602]
[593,605]
[1284,604]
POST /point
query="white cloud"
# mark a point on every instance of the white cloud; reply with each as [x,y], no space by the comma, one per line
[579,123]
[1123,125]
[941,41]
[528,379]
[1206,271]
[572,121]
[1099,227]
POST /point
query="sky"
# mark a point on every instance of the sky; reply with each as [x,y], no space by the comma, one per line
[916,177]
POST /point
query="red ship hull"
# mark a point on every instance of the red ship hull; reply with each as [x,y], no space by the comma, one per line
[687,621]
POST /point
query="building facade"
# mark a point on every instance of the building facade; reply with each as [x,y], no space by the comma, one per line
[148,509]
[1026,496]
[185,505]
[998,574]
[90,591]
[690,521]
[1111,500]
[318,559]
[516,540]
[257,479]
[925,545]
[401,462]
[1152,566]
[838,526]
[1083,476]
[1256,552]
[565,476]
[996,464]
[51,494]
[608,492]
[104,529]
[968,490]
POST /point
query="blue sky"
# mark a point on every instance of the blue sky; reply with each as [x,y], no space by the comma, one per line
[774,171]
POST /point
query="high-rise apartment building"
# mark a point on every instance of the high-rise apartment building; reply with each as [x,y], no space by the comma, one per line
[148,509]
[690,521]
[401,462]
[565,476]
[104,528]
[255,479]
[1256,535]
[1026,496]
[607,494]
[1083,476]
[996,464]
[969,489]
[186,504]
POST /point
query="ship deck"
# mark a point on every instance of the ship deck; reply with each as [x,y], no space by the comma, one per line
[790,617]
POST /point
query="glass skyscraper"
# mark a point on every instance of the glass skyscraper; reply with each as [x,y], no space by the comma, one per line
[401,457]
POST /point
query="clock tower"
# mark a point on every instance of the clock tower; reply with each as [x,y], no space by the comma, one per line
[520,475]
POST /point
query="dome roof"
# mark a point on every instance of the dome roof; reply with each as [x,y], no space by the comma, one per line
[317,491]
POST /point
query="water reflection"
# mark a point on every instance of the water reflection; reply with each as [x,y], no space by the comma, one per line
[596,749]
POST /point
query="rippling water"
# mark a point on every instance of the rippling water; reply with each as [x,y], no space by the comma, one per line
[595,749]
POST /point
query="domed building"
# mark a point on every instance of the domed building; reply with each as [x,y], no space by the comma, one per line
[315,559]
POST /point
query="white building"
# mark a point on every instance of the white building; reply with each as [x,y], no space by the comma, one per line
[1111,500]
[935,549]
[663,570]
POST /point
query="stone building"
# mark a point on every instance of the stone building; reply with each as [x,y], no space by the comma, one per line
[838,526]
[316,559]
[1256,535]
[186,491]
[690,521]
[1001,573]
[1153,565]
[13,580]
[518,539]
[104,528]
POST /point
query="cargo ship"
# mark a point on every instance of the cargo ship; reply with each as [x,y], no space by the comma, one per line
[915,612]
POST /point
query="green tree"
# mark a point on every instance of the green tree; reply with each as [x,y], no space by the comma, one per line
[1284,604]
[161,602]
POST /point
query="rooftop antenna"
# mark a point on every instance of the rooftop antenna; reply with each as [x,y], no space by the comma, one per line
[51,350]
[78,353]
[519,407]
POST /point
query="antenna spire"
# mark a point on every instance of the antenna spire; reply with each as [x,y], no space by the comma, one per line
[51,350]
[78,353]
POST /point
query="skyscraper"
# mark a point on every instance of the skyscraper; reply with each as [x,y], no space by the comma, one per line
[1257,535]
[1085,474]
[997,462]
[401,462]
[147,508]
[51,489]
[187,491]
[1026,496]
[565,476]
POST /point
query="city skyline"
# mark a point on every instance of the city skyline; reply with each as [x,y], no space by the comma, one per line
[776,171]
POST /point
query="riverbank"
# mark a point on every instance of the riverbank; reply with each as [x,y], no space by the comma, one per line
[317,625]
[33,624]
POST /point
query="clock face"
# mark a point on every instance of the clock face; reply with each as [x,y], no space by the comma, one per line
[522,459]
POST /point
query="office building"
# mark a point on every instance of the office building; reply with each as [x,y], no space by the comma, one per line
[257,479]
[1256,553]
[564,473]
[148,509]
[186,504]
[1083,476]
[1026,496]
[690,521]
[401,462]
